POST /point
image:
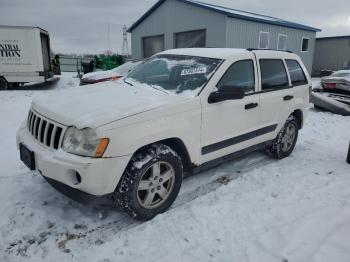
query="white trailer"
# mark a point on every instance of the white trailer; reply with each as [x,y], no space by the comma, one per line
[24,55]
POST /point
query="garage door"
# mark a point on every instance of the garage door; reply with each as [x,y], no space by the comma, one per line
[152,45]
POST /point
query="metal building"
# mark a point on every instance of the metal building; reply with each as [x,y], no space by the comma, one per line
[331,53]
[188,23]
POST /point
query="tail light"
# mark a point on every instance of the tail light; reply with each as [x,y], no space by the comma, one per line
[331,85]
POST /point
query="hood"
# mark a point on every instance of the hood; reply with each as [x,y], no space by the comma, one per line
[100,104]
[99,75]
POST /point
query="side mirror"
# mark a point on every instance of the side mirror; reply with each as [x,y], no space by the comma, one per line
[226,93]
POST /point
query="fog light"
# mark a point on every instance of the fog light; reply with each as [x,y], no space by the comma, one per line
[74,177]
[77,178]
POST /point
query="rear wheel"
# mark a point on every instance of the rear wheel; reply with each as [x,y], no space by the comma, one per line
[3,84]
[151,182]
[282,146]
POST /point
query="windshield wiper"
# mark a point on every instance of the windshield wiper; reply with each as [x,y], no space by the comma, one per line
[159,89]
[127,82]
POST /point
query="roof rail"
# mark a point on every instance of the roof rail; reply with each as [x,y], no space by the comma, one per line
[255,49]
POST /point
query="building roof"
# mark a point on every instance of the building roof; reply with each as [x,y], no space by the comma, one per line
[231,13]
[333,37]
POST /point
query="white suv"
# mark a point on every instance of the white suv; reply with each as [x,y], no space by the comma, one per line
[132,141]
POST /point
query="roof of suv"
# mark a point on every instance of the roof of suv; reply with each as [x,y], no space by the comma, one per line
[220,53]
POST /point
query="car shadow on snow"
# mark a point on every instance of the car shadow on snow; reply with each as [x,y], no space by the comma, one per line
[50,84]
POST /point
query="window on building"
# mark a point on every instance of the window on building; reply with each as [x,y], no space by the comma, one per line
[296,73]
[190,39]
[282,42]
[152,45]
[264,40]
[305,45]
[240,74]
[273,74]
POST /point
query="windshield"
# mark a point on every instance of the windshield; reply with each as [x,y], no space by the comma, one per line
[125,68]
[175,73]
[341,74]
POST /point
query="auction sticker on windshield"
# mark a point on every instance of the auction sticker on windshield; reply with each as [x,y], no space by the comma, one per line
[192,71]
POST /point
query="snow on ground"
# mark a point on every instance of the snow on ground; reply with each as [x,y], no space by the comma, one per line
[251,209]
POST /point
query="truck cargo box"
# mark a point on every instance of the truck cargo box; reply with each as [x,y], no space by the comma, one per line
[24,55]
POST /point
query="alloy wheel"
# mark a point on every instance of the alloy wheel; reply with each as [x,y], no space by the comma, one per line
[288,137]
[156,184]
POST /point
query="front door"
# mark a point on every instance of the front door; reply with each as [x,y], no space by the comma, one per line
[229,126]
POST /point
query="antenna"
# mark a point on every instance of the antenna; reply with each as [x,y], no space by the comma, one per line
[125,50]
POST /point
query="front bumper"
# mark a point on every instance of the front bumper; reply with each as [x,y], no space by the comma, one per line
[98,176]
[80,196]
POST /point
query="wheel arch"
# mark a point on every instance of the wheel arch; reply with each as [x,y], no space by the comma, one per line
[298,114]
[178,146]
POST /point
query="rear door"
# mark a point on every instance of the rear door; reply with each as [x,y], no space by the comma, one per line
[45,49]
[299,79]
[277,94]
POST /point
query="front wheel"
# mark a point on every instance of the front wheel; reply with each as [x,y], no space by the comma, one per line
[3,83]
[282,146]
[150,183]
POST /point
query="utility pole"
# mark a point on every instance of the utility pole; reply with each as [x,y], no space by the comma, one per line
[125,50]
[109,39]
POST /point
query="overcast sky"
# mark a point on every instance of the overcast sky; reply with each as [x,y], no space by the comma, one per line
[81,26]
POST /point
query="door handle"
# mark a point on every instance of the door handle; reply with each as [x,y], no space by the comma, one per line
[250,106]
[289,97]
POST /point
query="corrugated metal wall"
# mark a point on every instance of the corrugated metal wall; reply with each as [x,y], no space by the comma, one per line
[331,54]
[243,34]
[172,17]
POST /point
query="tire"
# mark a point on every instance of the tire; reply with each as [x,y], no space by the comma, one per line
[15,85]
[154,171]
[282,146]
[3,84]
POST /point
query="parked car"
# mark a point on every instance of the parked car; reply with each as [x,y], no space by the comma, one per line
[334,93]
[183,110]
[113,74]
[338,81]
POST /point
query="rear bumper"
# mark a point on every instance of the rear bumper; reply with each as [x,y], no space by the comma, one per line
[98,176]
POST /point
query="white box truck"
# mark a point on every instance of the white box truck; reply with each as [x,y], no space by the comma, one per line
[24,55]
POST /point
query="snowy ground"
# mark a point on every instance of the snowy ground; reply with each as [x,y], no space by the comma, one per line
[251,209]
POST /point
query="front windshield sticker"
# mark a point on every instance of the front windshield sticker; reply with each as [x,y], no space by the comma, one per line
[193,71]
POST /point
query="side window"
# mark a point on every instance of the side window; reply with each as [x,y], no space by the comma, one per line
[296,73]
[305,45]
[264,40]
[273,74]
[240,74]
[282,42]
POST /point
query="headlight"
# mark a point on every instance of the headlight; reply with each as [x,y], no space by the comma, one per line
[84,142]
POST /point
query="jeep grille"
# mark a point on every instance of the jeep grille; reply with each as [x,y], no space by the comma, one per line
[45,131]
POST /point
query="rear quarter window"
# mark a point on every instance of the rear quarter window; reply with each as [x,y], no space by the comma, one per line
[273,74]
[296,73]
